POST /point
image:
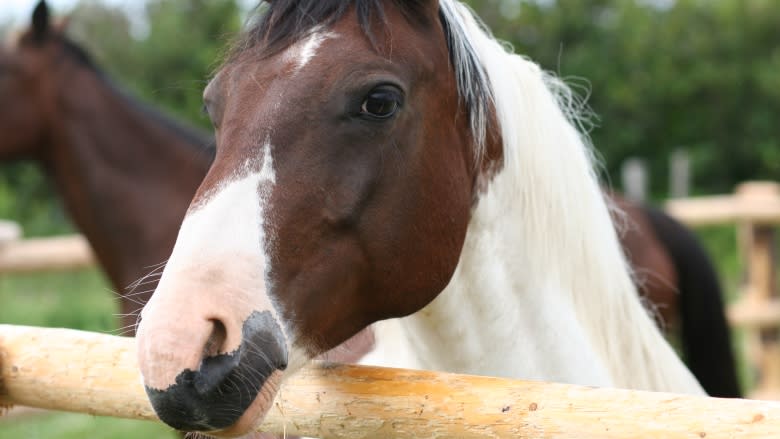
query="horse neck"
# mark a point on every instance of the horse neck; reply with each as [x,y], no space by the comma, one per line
[125,176]
[542,289]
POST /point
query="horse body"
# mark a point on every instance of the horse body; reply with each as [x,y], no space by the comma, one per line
[110,159]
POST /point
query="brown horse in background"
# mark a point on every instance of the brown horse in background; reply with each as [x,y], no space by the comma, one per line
[127,174]
[125,171]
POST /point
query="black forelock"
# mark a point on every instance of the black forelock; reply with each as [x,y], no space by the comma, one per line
[281,23]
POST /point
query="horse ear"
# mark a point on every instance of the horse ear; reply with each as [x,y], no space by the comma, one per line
[40,20]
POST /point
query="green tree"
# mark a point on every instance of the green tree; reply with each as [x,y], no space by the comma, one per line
[698,74]
[170,65]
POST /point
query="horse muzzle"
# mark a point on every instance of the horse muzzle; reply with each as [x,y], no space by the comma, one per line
[226,392]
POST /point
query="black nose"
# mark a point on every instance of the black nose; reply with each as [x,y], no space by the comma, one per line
[216,395]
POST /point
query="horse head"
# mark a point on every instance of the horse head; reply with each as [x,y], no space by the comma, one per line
[340,195]
[32,66]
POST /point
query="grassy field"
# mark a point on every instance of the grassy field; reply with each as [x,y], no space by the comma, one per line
[83,300]
[79,300]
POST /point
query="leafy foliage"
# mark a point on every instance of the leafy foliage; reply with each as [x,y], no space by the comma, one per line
[170,64]
[696,74]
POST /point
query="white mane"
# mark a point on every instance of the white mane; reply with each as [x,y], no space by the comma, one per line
[542,289]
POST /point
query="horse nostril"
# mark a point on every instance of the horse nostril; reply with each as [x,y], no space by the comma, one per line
[216,341]
[217,394]
[214,368]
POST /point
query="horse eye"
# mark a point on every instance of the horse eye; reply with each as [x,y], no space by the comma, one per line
[381,103]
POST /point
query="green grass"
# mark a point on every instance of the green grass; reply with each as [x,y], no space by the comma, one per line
[81,300]
[73,426]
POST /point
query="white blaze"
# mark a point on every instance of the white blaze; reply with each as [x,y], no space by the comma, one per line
[303,52]
[229,223]
[217,271]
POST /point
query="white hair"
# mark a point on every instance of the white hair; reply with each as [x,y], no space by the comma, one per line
[548,201]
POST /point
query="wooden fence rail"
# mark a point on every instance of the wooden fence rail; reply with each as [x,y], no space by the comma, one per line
[45,254]
[93,373]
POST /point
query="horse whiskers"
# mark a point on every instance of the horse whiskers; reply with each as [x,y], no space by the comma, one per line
[129,293]
[133,292]
[138,293]
[155,269]
[130,299]
[129,314]
[124,330]
[146,280]
[152,279]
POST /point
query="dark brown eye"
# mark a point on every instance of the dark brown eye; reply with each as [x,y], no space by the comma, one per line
[381,103]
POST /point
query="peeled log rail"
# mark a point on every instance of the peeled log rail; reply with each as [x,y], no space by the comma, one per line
[93,373]
[45,254]
[754,202]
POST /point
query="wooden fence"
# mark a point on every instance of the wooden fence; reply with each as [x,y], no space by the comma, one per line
[755,209]
[60,253]
[92,373]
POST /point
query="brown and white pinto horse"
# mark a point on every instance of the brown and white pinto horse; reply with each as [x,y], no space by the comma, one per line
[389,164]
[44,71]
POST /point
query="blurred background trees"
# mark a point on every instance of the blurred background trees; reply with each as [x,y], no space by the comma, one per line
[703,75]
[664,74]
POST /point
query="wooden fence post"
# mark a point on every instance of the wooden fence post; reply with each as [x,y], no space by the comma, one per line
[679,174]
[635,181]
[759,307]
[9,232]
